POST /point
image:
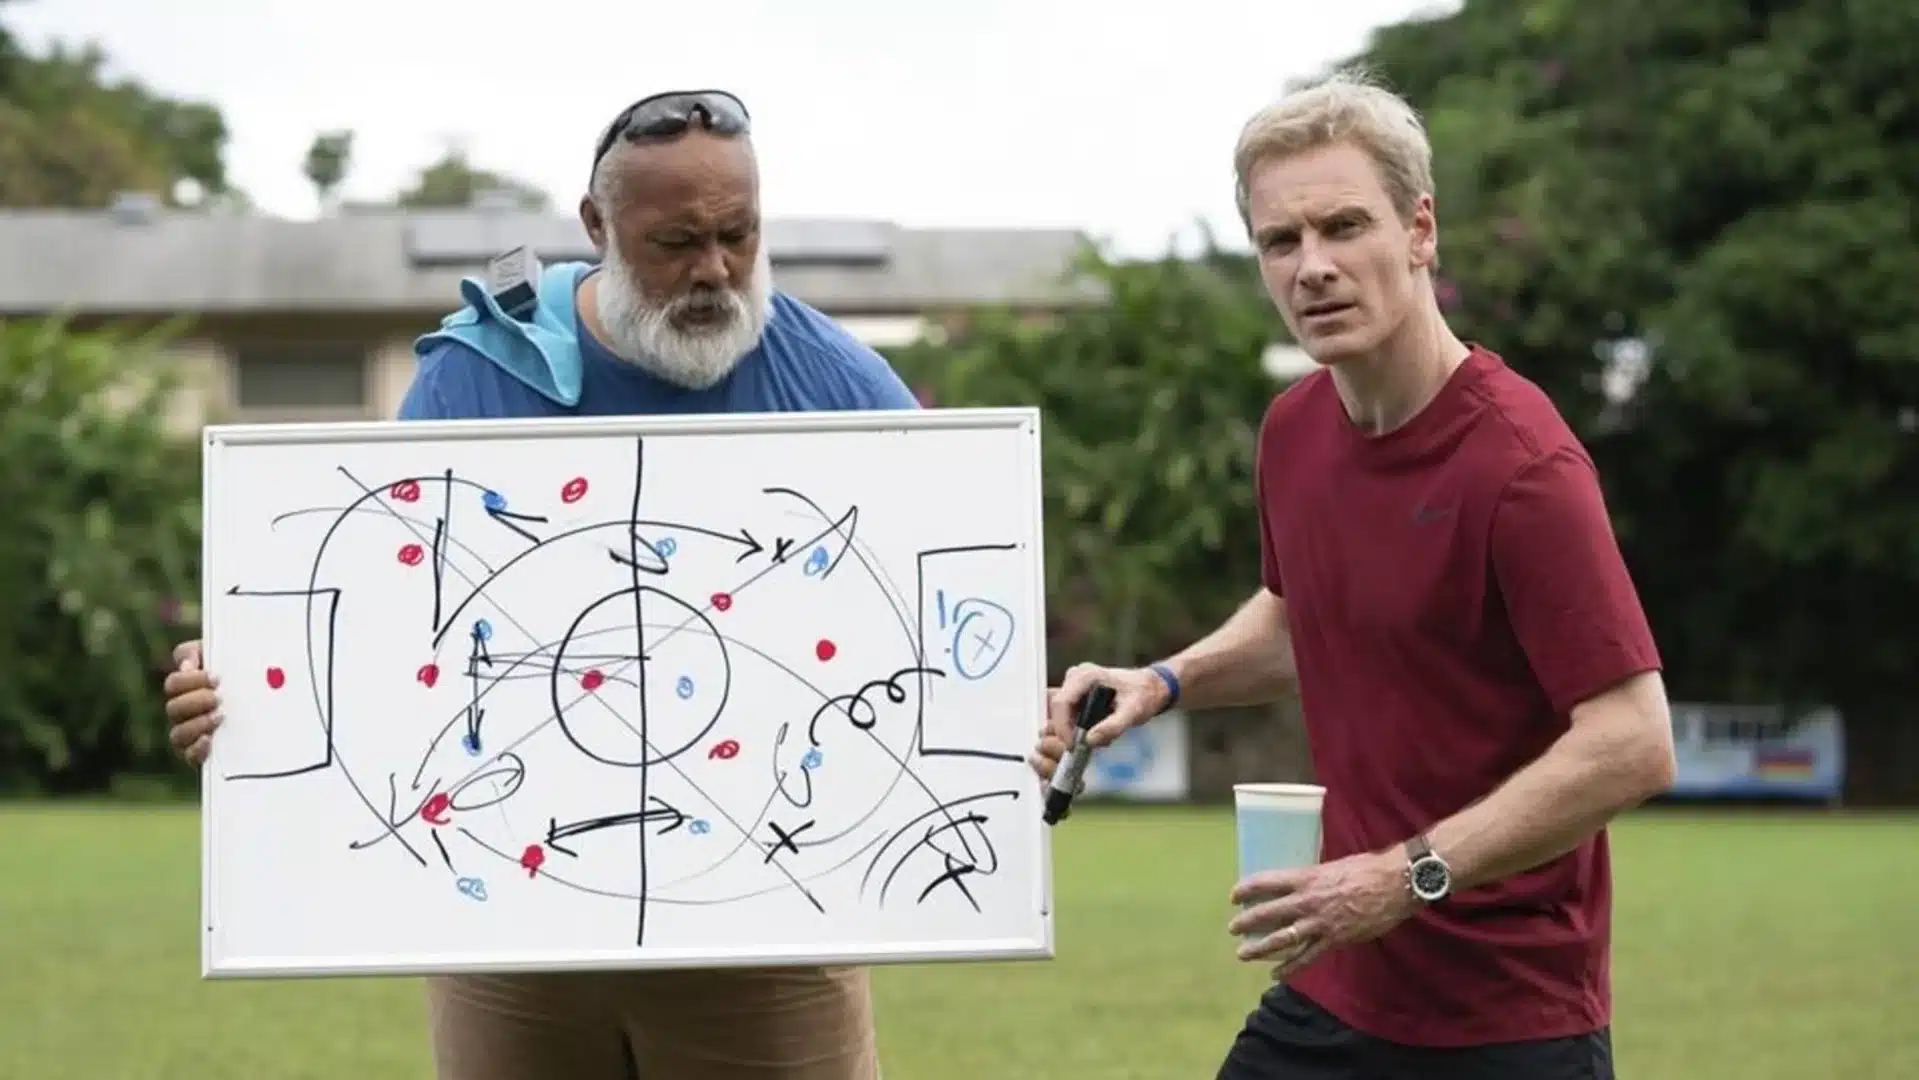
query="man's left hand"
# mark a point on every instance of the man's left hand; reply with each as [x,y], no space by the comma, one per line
[1306,911]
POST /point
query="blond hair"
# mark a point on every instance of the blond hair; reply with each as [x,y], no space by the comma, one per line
[1344,107]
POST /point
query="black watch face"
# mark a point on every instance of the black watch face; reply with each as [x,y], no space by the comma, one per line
[1429,877]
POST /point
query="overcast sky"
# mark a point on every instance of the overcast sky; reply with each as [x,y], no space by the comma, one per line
[1113,118]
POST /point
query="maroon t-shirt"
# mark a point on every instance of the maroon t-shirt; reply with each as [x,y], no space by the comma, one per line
[1453,588]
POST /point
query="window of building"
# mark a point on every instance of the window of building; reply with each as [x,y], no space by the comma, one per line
[299,375]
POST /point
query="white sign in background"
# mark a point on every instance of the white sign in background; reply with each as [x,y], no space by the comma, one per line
[1147,764]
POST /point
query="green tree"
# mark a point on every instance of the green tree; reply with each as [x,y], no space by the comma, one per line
[71,156]
[1724,190]
[327,161]
[69,136]
[98,555]
[1152,401]
[10,58]
[454,181]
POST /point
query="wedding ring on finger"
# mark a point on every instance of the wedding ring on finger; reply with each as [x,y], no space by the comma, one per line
[1288,939]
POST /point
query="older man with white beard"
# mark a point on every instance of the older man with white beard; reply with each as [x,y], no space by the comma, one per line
[680,316]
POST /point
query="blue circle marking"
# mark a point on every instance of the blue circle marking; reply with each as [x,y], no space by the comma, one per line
[494,501]
[684,687]
[982,635]
[483,630]
[666,547]
[815,562]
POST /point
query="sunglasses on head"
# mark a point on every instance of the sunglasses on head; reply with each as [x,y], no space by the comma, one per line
[669,115]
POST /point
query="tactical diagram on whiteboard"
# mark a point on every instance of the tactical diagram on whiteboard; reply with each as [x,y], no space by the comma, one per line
[575,689]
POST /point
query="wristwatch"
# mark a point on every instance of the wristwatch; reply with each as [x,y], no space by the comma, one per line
[1430,879]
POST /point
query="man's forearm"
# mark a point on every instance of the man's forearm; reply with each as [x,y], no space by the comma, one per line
[1615,756]
[1247,661]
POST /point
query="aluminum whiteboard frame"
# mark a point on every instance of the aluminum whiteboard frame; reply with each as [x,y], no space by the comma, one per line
[216,438]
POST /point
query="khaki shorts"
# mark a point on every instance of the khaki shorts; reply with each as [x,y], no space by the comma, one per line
[733,1024]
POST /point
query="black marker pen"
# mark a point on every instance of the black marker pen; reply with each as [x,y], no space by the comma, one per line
[1097,705]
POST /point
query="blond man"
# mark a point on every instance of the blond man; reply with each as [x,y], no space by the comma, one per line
[1441,584]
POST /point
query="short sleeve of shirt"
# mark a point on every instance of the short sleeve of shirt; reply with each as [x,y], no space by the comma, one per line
[442,387]
[1568,594]
[878,386]
[453,382]
[423,400]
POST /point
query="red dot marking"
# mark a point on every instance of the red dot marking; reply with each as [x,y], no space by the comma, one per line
[428,674]
[825,650]
[405,491]
[412,554]
[434,812]
[532,858]
[276,678]
[591,680]
[724,750]
[722,601]
[573,490]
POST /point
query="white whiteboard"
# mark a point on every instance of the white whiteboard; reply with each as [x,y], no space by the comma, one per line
[440,753]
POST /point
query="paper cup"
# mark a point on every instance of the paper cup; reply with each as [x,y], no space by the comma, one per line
[1279,828]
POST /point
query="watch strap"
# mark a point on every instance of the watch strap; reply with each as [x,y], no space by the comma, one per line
[1418,848]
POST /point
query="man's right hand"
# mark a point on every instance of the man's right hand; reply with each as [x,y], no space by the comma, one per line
[192,705]
[1138,695]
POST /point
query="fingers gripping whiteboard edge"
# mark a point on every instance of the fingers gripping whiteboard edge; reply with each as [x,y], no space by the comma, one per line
[1026,420]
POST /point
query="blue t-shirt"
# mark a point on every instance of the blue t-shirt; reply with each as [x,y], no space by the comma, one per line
[804,362]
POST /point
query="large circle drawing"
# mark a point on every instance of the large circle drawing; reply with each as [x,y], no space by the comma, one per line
[566,693]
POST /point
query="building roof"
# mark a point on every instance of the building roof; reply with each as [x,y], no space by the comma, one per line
[141,261]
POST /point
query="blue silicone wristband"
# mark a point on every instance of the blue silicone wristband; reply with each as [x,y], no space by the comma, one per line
[1172,683]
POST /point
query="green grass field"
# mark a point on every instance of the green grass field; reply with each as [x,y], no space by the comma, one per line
[1750,946]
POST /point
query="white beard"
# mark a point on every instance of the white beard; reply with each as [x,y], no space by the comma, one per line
[643,333]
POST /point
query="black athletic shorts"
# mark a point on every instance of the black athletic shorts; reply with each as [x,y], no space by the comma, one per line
[1290,1038]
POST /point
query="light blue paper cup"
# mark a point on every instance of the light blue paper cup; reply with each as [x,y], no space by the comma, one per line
[1279,829]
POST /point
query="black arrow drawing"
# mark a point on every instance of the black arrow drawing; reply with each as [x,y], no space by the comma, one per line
[507,518]
[742,538]
[753,547]
[556,832]
[749,545]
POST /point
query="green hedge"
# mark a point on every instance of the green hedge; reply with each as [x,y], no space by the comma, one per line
[99,556]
